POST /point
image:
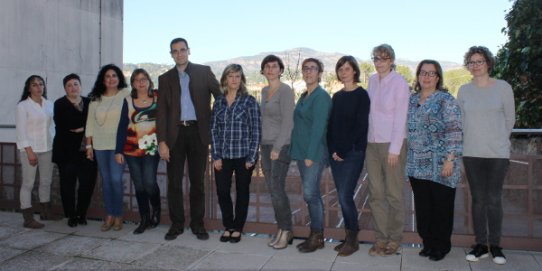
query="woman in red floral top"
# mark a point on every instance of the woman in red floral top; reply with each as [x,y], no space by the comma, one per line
[136,143]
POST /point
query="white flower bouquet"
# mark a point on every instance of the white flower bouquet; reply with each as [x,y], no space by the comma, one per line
[149,144]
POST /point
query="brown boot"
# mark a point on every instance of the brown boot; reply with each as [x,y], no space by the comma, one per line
[47,213]
[314,242]
[378,248]
[29,221]
[351,244]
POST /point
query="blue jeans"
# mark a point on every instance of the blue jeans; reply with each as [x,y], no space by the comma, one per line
[346,175]
[275,172]
[112,188]
[310,177]
[143,172]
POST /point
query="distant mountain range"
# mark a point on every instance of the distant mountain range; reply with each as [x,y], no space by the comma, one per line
[251,64]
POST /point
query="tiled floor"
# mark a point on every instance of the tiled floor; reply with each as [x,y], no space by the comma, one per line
[58,247]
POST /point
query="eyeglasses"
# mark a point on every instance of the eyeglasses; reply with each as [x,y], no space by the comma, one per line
[428,74]
[141,80]
[310,69]
[477,63]
[380,59]
[181,51]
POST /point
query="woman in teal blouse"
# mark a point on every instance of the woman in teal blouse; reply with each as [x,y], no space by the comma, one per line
[309,149]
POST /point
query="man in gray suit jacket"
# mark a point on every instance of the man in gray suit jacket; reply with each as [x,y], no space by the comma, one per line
[182,128]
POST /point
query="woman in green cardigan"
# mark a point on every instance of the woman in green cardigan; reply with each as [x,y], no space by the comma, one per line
[308,147]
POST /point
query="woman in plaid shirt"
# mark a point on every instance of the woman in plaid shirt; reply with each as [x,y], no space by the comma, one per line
[235,136]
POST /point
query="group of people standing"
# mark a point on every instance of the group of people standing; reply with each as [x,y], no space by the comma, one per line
[422,135]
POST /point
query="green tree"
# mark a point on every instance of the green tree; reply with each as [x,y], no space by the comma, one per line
[453,79]
[406,73]
[367,68]
[519,61]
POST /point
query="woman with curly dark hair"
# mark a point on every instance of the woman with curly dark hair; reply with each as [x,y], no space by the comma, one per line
[488,111]
[104,111]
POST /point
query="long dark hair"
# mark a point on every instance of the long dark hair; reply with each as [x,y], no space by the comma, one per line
[99,87]
[135,73]
[26,90]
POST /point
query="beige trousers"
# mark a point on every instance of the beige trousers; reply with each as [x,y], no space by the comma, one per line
[386,192]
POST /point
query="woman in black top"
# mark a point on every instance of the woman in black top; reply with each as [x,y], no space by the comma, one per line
[347,141]
[70,116]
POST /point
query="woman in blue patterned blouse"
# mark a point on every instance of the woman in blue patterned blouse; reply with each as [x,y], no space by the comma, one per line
[434,145]
[235,137]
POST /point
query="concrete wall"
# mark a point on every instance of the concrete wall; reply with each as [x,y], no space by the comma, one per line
[53,38]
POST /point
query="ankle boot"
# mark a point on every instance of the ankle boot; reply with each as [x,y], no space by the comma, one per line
[314,242]
[155,218]
[275,238]
[29,221]
[339,246]
[143,224]
[47,213]
[351,244]
[285,239]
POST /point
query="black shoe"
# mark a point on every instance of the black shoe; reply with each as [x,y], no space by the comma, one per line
[235,239]
[143,224]
[425,252]
[201,234]
[436,255]
[72,221]
[82,220]
[155,218]
[173,232]
[498,256]
[478,251]
[226,236]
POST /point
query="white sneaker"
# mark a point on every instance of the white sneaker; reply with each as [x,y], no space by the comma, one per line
[498,256]
[478,252]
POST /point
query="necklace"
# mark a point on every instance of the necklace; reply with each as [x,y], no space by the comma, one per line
[106,112]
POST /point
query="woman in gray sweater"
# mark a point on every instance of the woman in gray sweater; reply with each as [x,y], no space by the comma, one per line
[277,107]
[488,111]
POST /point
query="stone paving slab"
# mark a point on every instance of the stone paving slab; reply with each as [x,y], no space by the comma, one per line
[231,261]
[72,245]
[33,260]
[155,236]
[30,239]
[248,245]
[296,263]
[92,264]
[455,260]
[59,226]
[6,232]
[516,261]
[326,254]
[13,220]
[172,257]
[187,239]
[7,253]
[93,230]
[120,251]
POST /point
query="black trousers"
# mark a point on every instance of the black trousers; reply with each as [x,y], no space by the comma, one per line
[230,219]
[78,169]
[434,204]
[189,147]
